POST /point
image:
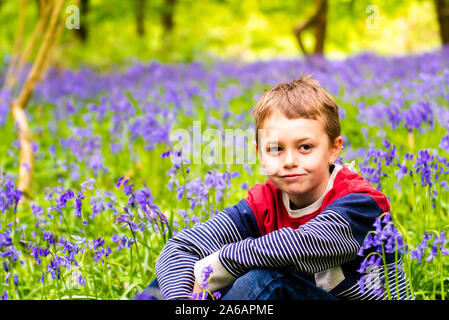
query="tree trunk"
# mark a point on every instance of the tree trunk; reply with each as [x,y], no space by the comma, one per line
[19,105]
[320,27]
[318,20]
[44,15]
[167,16]
[442,11]
[11,74]
[82,33]
[26,152]
[140,17]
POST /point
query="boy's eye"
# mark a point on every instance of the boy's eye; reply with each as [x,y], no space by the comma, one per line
[305,147]
[274,149]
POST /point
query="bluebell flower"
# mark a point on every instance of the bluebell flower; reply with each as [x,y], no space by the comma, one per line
[48,236]
[146,295]
[165,154]
[444,144]
[206,273]
[216,295]
[98,243]
[5,240]
[79,278]
[79,204]
[88,185]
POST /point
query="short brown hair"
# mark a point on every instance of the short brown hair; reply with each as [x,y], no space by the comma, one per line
[302,98]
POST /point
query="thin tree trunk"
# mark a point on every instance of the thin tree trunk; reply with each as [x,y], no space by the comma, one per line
[45,11]
[82,33]
[442,11]
[317,20]
[19,105]
[11,74]
[320,28]
[140,17]
[167,16]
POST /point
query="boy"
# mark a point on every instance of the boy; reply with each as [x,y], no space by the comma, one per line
[297,235]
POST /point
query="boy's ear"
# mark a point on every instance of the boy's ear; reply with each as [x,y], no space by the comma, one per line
[336,149]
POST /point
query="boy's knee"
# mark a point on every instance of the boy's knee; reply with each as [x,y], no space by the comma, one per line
[255,284]
[258,277]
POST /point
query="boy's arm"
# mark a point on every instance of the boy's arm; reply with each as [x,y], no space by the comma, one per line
[175,264]
[328,240]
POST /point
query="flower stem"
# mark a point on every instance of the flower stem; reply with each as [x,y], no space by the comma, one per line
[387,284]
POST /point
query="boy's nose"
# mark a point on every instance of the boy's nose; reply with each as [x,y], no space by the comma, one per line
[290,159]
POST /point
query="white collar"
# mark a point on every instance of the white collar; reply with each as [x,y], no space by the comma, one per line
[314,206]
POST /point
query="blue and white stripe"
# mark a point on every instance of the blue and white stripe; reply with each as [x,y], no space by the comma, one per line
[320,244]
[174,266]
[325,242]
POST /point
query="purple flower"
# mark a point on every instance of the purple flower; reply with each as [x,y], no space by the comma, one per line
[5,240]
[79,278]
[125,218]
[433,253]
[444,144]
[62,201]
[48,236]
[88,185]
[119,181]
[148,294]
[98,243]
[127,189]
[418,253]
[206,272]
[78,204]
[166,154]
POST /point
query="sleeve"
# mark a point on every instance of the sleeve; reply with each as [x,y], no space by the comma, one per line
[175,264]
[320,244]
[331,239]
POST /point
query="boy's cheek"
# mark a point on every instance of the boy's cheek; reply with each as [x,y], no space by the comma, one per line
[271,166]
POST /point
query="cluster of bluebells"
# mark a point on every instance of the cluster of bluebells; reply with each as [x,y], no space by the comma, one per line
[9,195]
[431,168]
[431,240]
[204,294]
[9,199]
[7,250]
[122,241]
[384,239]
[149,294]
[140,212]
[197,190]
[379,157]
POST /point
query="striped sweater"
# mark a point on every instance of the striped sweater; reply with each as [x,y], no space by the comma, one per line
[262,231]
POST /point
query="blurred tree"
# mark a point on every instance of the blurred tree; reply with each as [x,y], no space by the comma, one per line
[82,32]
[318,20]
[12,73]
[51,31]
[140,17]
[167,16]
[442,11]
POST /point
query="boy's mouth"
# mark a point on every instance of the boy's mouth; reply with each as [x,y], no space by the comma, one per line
[292,176]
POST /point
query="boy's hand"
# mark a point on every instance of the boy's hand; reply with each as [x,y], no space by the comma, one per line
[196,288]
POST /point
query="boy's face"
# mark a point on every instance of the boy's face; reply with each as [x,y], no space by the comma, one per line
[296,155]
